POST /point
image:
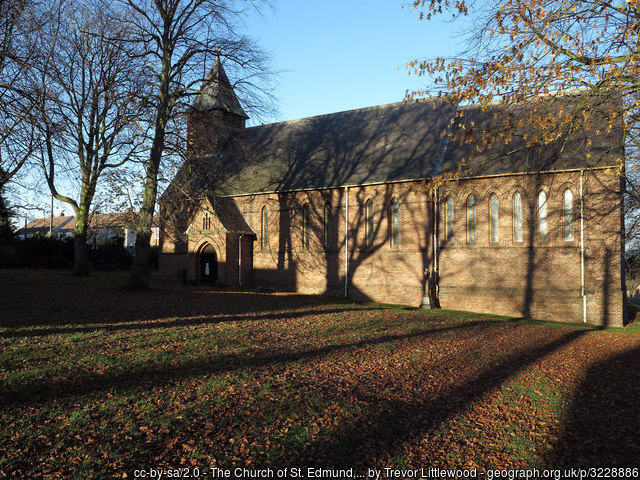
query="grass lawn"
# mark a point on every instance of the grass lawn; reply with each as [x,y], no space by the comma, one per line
[98,383]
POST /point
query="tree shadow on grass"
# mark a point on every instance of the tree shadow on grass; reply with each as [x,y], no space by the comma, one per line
[43,304]
[392,424]
[602,428]
[177,322]
[151,376]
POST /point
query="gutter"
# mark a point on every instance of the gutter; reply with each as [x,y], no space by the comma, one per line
[410,180]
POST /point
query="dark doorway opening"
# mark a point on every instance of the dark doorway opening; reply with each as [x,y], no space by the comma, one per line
[208,265]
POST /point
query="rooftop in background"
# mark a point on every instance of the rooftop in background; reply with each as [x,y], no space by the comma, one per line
[43,226]
[64,225]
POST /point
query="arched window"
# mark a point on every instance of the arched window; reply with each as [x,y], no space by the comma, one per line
[517,217]
[368,218]
[395,222]
[493,218]
[328,221]
[567,208]
[471,219]
[264,223]
[206,221]
[542,216]
[305,227]
[449,224]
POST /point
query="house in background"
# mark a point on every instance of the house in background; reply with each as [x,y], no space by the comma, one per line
[61,226]
[102,226]
[366,204]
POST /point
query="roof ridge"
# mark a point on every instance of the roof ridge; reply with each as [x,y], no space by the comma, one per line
[551,94]
[353,110]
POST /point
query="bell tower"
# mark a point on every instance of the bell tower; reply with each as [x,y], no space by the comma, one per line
[215,115]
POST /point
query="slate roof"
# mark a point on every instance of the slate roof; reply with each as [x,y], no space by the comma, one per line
[391,143]
[378,144]
[400,141]
[112,220]
[567,153]
[217,92]
[231,217]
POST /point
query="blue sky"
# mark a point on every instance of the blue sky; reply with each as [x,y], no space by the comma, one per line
[339,55]
[334,55]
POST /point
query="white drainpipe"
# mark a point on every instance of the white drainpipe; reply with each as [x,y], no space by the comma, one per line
[240,260]
[346,243]
[426,299]
[436,217]
[582,281]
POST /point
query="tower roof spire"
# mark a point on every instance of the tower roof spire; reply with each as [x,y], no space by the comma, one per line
[217,92]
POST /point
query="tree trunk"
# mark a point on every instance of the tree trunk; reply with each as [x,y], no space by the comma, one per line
[80,231]
[80,255]
[80,251]
[140,271]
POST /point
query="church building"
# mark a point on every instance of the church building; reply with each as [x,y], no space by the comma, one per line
[373,204]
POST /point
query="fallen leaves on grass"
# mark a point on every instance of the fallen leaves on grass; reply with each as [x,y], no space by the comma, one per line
[203,378]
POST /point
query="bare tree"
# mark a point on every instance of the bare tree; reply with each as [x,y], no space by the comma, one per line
[17,139]
[180,39]
[89,84]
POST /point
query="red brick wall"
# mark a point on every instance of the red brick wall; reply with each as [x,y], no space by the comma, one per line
[533,278]
[225,244]
[169,264]
[380,272]
[206,233]
[206,130]
[239,271]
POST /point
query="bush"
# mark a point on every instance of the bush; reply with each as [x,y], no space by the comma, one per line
[7,256]
[53,252]
[633,311]
[39,252]
[110,254]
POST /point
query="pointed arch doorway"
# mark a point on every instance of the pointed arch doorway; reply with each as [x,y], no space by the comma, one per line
[208,265]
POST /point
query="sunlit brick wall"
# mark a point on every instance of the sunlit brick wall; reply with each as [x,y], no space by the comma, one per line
[535,278]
